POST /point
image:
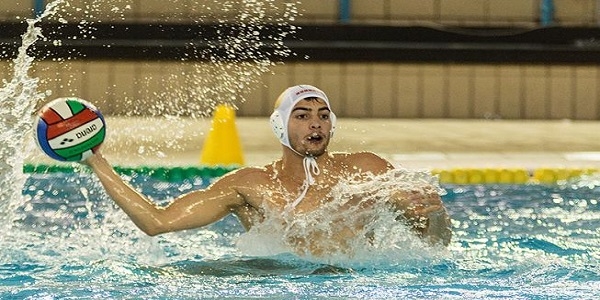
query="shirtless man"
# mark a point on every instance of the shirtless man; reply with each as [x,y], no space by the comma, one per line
[297,183]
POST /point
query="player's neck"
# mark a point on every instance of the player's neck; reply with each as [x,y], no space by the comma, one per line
[293,163]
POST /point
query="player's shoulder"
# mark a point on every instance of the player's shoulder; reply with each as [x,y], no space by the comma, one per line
[364,161]
[362,156]
[250,174]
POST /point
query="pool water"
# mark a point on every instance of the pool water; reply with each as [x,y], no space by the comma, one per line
[510,241]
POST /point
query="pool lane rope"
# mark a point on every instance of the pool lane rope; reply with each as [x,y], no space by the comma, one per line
[510,175]
[170,174]
[446,176]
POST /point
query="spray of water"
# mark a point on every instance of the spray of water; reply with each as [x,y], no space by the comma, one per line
[348,229]
[237,58]
[221,69]
[191,92]
[356,227]
[218,69]
[18,97]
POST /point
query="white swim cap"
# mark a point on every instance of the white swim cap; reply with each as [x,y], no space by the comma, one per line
[286,102]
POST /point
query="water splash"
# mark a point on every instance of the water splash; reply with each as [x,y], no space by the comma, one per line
[356,227]
[186,93]
[193,92]
[251,37]
[236,59]
[220,69]
[18,98]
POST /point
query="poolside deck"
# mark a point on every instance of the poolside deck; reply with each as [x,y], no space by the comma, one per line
[422,144]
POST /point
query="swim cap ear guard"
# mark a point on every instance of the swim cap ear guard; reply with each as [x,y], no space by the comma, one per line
[280,131]
[277,125]
[286,102]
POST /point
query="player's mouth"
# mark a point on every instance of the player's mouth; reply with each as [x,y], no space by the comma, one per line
[315,138]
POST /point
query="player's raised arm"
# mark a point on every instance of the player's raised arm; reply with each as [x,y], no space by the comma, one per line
[196,209]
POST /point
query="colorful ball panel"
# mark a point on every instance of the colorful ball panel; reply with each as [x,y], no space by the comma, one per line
[69,129]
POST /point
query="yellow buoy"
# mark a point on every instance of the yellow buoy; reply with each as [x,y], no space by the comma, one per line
[521,176]
[506,176]
[491,175]
[476,176]
[444,176]
[460,176]
[222,145]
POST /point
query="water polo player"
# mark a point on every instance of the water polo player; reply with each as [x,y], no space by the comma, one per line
[303,182]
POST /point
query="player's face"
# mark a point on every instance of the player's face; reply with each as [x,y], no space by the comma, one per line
[309,127]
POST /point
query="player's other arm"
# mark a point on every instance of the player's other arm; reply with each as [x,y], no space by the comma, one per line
[424,210]
[196,209]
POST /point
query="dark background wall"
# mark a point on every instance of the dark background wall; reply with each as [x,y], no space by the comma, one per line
[512,59]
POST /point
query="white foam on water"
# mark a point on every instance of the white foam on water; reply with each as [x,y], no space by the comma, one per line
[355,227]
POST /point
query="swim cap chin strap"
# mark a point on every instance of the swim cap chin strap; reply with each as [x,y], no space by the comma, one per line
[310,167]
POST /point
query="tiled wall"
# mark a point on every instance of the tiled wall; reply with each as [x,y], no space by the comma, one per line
[356,89]
[451,12]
